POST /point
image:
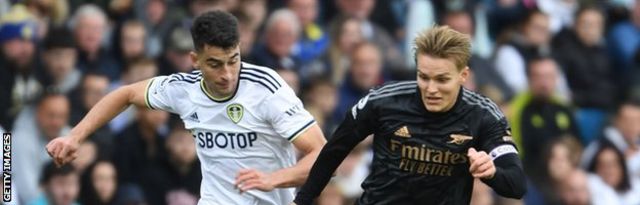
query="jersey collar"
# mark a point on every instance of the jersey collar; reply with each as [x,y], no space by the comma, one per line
[220,100]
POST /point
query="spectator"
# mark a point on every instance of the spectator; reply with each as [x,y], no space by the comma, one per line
[60,59]
[361,10]
[560,158]
[19,85]
[291,78]
[256,10]
[537,116]
[574,190]
[46,13]
[53,13]
[484,74]
[313,40]
[140,145]
[87,155]
[346,34]
[354,169]
[281,33]
[623,41]
[36,126]
[198,7]
[248,33]
[320,99]
[531,40]
[420,15]
[395,17]
[365,73]
[119,10]
[184,165]
[137,70]
[99,184]
[583,57]
[560,13]
[94,86]
[130,194]
[131,42]
[181,197]
[89,24]
[623,134]
[181,172]
[505,14]
[61,185]
[612,181]
[175,57]
[158,20]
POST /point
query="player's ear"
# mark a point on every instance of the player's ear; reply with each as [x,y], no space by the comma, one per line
[464,74]
[194,60]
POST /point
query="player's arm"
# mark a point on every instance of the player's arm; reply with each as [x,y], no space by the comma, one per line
[356,126]
[309,143]
[501,167]
[63,149]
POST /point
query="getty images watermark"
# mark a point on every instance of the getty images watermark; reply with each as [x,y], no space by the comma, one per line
[6,167]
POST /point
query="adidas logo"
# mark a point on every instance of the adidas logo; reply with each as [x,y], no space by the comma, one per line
[194,117]
[403,132]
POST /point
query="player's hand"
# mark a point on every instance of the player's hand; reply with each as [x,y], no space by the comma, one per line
[248,179]
[63,150]
[481,165]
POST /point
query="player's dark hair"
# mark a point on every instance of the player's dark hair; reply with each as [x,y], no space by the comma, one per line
[51,170]
[215,28]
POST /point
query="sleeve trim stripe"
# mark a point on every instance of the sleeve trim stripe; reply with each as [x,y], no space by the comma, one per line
[271,79]
[257,81]
[146,94]
[259,69]
[300,131]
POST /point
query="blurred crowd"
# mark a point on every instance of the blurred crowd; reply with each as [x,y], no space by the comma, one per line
[565,72]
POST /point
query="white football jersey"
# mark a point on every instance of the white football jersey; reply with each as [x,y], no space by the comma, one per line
[251,129]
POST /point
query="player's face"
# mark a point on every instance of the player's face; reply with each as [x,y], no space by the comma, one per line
[220,69]
[439,80]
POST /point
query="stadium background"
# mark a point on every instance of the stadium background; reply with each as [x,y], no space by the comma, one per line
[578,129]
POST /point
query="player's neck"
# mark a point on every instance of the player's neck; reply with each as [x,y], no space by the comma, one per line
[214,95]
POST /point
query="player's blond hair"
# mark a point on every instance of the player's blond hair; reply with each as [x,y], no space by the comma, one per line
[444,42]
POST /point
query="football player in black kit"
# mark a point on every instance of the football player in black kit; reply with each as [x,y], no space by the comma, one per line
[432,137]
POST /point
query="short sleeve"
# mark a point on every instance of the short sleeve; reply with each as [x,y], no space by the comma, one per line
[287,115]
[161,93]
[495,135]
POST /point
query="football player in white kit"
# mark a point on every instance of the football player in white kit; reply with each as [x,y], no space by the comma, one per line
[244,118]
